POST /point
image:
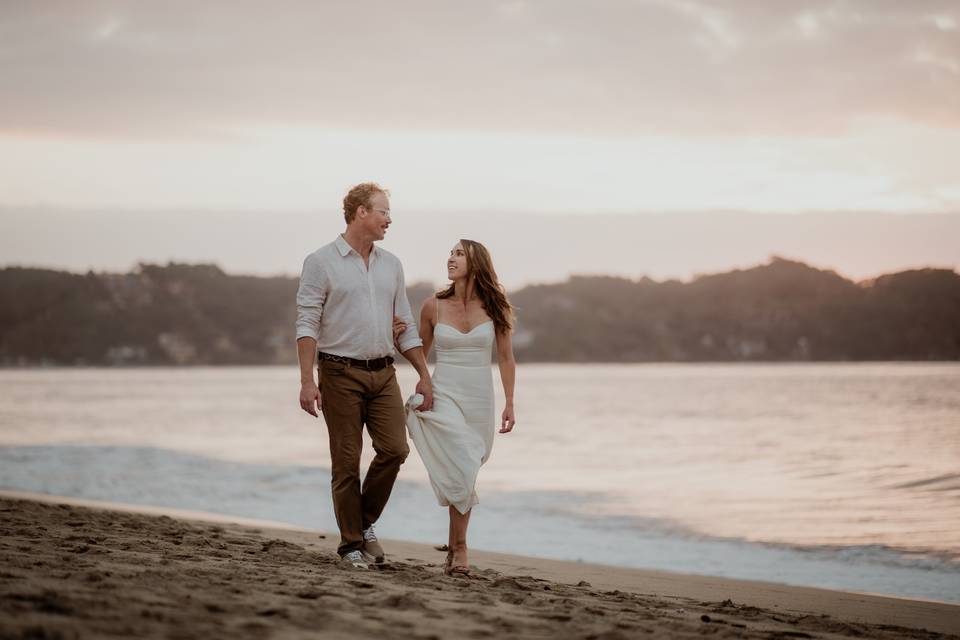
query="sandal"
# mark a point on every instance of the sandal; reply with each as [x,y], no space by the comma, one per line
[458,569]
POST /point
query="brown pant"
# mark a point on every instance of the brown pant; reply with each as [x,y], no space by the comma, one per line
[352,396]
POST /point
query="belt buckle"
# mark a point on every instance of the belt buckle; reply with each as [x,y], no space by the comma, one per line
[335,358]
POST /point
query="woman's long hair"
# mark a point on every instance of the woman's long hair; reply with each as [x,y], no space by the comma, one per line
[486,284]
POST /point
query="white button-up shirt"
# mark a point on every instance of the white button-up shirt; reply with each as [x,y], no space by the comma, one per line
[348,307]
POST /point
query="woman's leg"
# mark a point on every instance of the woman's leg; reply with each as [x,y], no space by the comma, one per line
[458,536]
[450,531]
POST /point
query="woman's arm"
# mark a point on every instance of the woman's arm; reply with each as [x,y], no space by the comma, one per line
[508,371]
[427,321]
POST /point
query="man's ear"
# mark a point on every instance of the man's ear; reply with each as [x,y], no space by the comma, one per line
[361,211]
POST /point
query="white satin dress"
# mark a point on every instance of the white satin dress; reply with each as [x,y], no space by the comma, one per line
[455,437]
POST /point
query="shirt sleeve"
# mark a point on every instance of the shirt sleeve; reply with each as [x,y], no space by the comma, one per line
[410,338]
[310,297]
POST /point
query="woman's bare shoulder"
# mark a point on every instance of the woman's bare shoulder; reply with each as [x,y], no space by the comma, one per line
[429,307]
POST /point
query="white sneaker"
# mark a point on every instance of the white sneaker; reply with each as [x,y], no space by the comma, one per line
[355,559]
[371,546]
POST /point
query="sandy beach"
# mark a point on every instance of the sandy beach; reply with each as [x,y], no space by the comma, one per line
[76,569]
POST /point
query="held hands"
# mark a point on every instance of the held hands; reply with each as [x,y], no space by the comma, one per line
[508,420]
[310,398]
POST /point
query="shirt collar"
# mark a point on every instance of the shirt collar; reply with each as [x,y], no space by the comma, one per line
[344,247]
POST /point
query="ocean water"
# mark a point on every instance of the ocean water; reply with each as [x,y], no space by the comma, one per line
[834,475]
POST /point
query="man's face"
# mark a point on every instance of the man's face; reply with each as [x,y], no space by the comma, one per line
[378,216]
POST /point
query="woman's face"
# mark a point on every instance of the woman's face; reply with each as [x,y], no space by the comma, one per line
[457,263]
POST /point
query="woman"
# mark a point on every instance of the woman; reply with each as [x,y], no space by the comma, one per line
[455,437]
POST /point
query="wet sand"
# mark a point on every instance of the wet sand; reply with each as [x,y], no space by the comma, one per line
[75,569]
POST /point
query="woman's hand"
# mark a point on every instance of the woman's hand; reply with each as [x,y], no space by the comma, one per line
[507,420]
[399,326]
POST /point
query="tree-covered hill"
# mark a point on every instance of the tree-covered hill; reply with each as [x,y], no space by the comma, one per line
[783,310]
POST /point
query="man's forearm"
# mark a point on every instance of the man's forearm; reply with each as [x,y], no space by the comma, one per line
[417,359]
[306,354]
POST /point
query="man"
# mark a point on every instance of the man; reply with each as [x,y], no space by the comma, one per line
[350,292]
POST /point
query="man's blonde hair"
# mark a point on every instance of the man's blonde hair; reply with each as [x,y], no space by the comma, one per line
[358,196]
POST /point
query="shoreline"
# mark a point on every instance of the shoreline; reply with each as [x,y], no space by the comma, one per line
[666,591]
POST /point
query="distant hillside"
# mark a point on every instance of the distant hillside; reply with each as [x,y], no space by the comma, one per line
[780,311]
[784,310]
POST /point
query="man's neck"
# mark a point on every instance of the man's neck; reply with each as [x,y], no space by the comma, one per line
[358,242]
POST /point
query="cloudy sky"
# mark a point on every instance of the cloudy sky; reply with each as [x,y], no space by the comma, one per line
[552,107]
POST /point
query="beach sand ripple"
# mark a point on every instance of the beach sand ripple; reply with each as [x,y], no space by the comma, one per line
[74,572]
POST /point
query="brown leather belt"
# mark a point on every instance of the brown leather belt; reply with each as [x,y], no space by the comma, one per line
[370,365]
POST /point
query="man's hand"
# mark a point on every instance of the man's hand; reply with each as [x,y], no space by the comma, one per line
[399,326]
[310,398]
[425,388]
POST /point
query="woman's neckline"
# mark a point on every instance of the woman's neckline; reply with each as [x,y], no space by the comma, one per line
[466,333]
